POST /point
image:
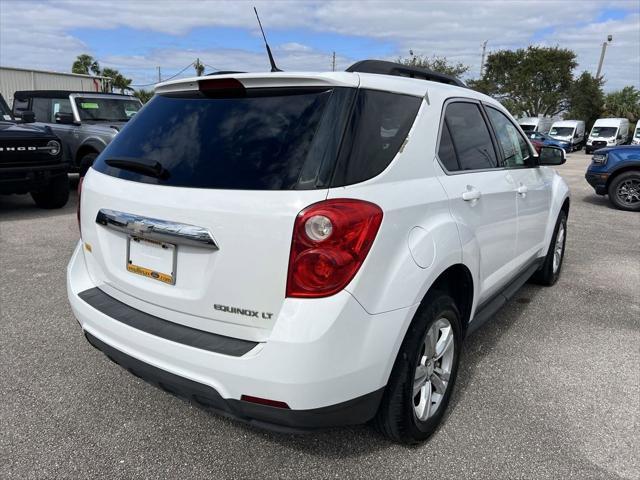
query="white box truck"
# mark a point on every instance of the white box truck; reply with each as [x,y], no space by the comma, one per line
[535,124]
[607,132]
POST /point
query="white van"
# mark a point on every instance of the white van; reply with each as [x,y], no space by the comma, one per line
[636,136]
[608,132]
[569,134]
[535,124]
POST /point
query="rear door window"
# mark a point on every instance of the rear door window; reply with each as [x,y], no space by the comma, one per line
[470,138]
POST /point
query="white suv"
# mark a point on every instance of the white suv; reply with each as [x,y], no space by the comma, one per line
[305,250]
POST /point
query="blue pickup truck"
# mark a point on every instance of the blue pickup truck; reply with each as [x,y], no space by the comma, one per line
[615,171]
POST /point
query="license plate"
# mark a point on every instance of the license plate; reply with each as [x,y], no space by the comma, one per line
[155,260]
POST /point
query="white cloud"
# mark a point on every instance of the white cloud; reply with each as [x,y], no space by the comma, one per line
[35,34]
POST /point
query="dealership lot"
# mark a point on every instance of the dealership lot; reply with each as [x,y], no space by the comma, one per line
[549,389]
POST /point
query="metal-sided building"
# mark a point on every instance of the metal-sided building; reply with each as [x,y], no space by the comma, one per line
[15,79]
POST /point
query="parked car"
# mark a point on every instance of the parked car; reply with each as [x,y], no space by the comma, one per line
[276,246]
[535,124]
[607,132]
[85,122]
[568,134]
[615,171]
[635,140]
[31,161]
[539,140]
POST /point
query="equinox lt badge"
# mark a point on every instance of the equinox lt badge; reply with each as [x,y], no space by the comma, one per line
[243,311]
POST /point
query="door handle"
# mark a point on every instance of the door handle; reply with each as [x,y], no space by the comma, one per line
[471,194]
[522,190]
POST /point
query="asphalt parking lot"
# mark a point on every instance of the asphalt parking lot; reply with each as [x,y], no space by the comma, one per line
[549,389]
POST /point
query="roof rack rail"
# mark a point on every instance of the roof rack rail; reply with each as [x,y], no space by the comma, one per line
[390,68]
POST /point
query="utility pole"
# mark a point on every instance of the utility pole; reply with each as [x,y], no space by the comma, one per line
[159,75]
[604,50]
[199,67]
[484,50]
[333,62]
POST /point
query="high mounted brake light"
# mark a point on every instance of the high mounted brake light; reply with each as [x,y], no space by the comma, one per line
[331,239]
[223,86]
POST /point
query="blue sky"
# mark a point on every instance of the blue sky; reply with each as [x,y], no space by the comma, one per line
[135,36]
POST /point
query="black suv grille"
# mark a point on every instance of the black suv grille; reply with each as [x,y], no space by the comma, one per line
[18,152]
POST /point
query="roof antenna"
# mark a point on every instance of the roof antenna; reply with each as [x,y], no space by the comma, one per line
[271,60]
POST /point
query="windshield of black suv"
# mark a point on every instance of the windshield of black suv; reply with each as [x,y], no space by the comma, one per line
[5,113]
[605,132]
[264,139]
[561,131]
[528,128]
[107,109]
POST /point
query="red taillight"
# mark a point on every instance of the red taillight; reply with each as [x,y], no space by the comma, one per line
[78,210]
[331,239]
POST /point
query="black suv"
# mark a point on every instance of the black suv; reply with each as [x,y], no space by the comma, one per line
[31,161]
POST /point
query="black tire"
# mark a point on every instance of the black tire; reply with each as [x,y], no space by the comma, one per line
[396,417]
[86,162]
[547,275]
[631,182]
[53,195]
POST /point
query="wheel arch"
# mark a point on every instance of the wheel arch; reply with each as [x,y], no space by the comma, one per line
[627,168]
[89,146]
[458,282]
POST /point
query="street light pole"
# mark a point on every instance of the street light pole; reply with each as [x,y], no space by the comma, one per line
[604,50]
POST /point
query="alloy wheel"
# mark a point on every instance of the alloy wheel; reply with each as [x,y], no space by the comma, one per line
[433,370]
[558,248]
[628,192]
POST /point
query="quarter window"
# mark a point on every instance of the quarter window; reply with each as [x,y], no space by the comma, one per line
[514,148]
[466,139]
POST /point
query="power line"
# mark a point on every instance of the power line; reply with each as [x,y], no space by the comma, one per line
[166,79]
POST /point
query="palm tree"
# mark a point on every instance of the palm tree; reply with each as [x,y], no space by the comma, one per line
[118,80]
[84,64]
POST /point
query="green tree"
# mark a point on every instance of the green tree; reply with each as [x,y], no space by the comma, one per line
[118,80]
[435,63]
[143,95]
[532,81]
[623,103]
[84,64]
[586,99]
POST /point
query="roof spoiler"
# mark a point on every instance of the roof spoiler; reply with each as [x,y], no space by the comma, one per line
[390,68]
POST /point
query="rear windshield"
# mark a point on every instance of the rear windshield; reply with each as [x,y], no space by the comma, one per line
[268,139]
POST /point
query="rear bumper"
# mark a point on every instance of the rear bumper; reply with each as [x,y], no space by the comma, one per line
[329,373]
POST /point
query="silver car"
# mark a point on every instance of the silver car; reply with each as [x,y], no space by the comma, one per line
[85,122]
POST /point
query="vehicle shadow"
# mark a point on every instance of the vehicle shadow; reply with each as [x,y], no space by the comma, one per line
[600,200]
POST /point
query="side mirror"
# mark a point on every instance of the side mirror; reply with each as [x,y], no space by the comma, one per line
[27,116]
[550,155]
[619,137]
[65,118]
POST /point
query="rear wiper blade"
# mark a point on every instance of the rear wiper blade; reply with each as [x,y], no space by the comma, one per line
[146,167]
